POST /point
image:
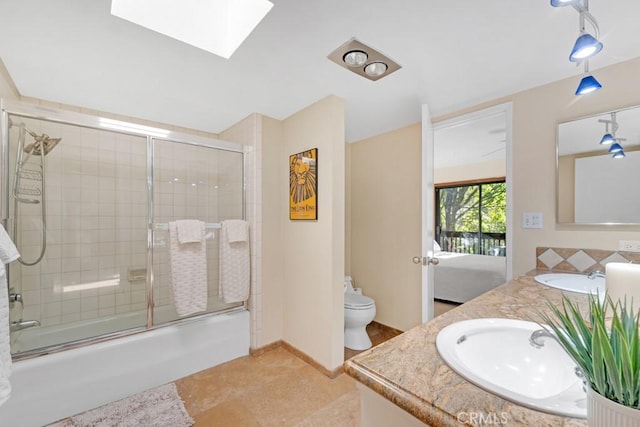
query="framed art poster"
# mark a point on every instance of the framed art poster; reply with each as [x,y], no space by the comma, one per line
[303,185]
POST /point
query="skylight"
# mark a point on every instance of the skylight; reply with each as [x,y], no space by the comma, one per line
[217,26]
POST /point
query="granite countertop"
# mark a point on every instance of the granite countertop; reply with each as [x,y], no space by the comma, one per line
[408,371]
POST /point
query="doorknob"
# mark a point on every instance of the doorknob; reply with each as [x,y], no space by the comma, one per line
[425,260]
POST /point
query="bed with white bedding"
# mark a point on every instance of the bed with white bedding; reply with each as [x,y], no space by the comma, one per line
[462,277]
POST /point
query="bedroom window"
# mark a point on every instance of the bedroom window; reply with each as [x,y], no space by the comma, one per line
[471,217]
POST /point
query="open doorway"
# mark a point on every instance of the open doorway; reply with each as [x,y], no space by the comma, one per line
[470,198]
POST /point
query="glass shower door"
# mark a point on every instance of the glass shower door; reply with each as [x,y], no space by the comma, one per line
[192,182]
[90,204]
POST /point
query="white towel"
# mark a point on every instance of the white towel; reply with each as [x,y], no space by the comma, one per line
[8,253]
[188,262]
[234,282]
[237,230]
[190,230]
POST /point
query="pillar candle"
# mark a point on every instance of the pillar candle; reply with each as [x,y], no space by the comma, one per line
[623,280]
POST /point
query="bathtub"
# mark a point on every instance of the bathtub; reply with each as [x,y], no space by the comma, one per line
[55,386]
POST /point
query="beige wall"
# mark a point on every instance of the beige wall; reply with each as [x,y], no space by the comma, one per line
[491,169]
[385,223]
[273,252]
[313,258]
[299,295]
[536,113]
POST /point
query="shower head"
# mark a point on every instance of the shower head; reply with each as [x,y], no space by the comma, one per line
[43,144]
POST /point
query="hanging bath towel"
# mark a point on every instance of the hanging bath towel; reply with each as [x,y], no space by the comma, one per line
[234,282]
[188,263]
[8,253]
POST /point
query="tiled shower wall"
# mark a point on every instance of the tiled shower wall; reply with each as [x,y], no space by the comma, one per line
[97,220]
[96,225]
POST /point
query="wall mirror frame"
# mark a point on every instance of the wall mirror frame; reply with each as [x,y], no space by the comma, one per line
[592,187]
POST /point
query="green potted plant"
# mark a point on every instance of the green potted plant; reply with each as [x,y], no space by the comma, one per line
[606,348]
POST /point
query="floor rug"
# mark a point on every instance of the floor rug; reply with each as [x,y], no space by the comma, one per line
[158,407]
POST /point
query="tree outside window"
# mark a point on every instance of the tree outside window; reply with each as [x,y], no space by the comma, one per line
[471,218]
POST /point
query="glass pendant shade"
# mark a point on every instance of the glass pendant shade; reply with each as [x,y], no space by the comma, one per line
[587,85]
[586,46]
[615,147]
[607,139]
[355,58]
[619,154]
[560,3]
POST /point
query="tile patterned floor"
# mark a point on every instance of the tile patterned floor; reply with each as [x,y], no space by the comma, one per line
[274,389]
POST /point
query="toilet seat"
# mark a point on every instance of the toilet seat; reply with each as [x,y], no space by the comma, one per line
[357,302]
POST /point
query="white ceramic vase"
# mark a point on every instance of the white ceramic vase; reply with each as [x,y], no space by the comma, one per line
[602,412]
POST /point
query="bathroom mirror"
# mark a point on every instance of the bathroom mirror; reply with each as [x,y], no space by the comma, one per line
[593,187]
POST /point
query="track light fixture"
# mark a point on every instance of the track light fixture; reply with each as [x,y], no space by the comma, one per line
[616,148]
[609,137]
[586,45]
[587,85]
[619,154]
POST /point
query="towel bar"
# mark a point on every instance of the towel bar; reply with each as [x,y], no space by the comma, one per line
[165,226]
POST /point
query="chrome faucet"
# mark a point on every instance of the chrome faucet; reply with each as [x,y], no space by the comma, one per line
[535,337]
[22,324]
[595,274]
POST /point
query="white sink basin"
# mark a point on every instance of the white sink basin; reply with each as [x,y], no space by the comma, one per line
[496,355]
[580,283]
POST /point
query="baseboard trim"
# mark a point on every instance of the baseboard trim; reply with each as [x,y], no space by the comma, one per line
[255,352]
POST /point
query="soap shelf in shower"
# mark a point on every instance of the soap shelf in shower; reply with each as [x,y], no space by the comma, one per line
[29,191]
[31,174]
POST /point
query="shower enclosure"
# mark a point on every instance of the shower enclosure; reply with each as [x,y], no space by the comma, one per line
[87,201]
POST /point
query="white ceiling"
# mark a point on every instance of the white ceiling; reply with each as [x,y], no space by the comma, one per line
[474,141]
[453,55]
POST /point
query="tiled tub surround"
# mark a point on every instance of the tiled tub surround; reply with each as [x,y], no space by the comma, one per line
[580,260]
[408,371]
[96,201]
[96,226]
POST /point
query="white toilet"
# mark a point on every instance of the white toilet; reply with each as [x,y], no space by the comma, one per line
[359,311]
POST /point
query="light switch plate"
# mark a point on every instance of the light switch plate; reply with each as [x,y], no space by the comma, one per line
[532,220]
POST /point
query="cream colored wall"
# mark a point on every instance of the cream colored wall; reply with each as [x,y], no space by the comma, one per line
[313,259]
[273,210]
[385,223]
[491,169]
